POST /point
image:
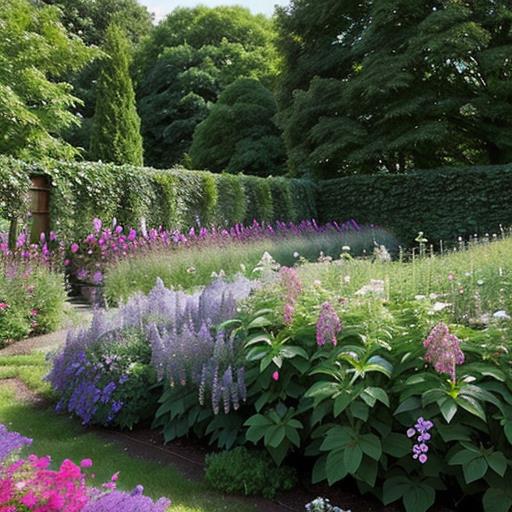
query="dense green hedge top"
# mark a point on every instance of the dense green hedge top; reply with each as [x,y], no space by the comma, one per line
[175,198]
[443,203]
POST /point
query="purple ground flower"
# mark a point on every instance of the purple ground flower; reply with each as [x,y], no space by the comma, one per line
[11,442]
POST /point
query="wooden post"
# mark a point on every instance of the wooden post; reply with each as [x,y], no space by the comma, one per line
[39,207]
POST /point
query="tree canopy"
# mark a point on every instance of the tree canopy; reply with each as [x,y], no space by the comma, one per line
[389,85]
[116,127]
[36,53]
[239,133]
[185,64]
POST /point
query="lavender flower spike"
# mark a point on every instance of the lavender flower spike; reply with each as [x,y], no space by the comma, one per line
[328,325]
[11,442]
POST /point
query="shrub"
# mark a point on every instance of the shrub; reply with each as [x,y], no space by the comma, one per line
[259,200]
[241,471]
[174,198]
[282,200]
[444,203]
[232,207]
[32,301]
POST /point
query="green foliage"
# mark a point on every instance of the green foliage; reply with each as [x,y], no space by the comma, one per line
[181,68]
[241,471]
[282,200]
[90,19]
[35,301]
[444,204]
[233,205]
[116,129]
[239,134]
[371,86]
[36,55]
[259,199]
[175,198]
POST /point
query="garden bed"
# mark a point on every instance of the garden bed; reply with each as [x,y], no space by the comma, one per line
[384,376]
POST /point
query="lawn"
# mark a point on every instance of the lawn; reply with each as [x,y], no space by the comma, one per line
[65,438]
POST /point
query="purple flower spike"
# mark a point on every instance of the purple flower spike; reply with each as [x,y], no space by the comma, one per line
[420,450]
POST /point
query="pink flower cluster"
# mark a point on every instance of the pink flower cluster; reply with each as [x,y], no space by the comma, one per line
[443,350]
[292,289]
[30,485]
[328,325]
[104,245]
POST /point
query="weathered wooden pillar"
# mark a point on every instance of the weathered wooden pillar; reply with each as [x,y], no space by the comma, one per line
[39,207]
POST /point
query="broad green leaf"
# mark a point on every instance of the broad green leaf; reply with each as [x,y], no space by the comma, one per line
[411,404]
[454,432]
[397,445]
[471,405]
[342,402]
[337,437]
[259,322]
[475,469]
[394,488]
[367,471]
[275,436]
[497,500]
[463,457]
[497,462]
[335,467]
[371,446]
[448,408]
[379,394]
[352,458]
[419,498]
[359,410]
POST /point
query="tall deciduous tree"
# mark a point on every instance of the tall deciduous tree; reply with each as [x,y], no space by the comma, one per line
[239,134]
[116,128]
[36,52]
[184,65]
[389,85]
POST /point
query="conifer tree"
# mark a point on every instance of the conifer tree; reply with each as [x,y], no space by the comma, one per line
[116,128]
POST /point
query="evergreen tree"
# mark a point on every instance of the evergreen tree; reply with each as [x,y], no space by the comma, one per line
[116,127]
[239,134]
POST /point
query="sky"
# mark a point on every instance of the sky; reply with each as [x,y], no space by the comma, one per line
[162,7]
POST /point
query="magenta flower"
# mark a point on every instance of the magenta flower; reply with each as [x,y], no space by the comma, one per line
[97,225]
[328,325]
[74,248]
[443,350]
[275,376]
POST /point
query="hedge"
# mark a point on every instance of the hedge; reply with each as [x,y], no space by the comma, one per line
[175,198]
[443,203]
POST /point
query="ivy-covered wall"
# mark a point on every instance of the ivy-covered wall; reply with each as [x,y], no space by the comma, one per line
[175,199]
[443,203]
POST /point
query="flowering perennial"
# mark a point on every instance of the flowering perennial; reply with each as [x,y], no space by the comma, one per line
[29,484]
[420,449]
[328,325]
[167,333]
[443,350]
[292,289]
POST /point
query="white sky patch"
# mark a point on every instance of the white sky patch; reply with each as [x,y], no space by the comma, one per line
[161,8]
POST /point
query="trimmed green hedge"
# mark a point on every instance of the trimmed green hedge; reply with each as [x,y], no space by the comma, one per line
[443,203]
[175,199]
